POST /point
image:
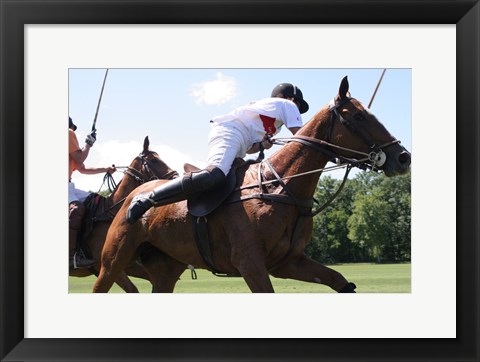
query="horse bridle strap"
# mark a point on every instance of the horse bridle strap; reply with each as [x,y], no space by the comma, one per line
[376,151]
[142,179]
[288,198]
[349,125]
[138,176]
[325,147]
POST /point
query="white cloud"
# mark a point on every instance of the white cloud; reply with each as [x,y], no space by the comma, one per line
[215,92]
[104,154]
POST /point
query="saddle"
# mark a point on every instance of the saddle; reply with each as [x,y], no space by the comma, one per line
[205,203]
[96,210]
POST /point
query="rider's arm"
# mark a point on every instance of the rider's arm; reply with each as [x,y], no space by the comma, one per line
[94,170]
[80,155]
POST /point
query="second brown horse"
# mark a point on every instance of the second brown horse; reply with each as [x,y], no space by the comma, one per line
[147,166]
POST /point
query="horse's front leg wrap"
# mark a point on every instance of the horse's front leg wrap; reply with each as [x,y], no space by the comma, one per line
[349,288]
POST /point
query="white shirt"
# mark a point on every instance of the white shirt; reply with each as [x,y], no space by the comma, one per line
[280,111]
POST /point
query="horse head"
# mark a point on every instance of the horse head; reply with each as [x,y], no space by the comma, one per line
[356,133]
[149,166]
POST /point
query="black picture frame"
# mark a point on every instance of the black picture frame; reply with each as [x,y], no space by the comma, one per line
[15,14]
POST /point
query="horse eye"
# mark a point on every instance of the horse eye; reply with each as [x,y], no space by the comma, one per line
[359,117]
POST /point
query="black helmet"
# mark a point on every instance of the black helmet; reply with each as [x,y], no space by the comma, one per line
[71,125]
[289,90]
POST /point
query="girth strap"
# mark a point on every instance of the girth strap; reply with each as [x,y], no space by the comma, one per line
[200,231]
[202,239]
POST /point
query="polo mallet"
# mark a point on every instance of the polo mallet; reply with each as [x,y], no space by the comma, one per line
[99,101]
[379,158]
[376,88]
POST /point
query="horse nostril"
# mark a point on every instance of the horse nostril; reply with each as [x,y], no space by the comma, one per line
[404,158]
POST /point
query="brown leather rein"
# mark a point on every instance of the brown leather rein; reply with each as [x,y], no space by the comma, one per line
[369,160]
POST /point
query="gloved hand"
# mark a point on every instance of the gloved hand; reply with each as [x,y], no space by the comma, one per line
[266,142]
[91,138]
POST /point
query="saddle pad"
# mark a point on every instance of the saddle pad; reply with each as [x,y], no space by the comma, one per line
[207,202]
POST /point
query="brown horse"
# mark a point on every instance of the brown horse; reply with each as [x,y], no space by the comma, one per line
[266,224]
[145,167]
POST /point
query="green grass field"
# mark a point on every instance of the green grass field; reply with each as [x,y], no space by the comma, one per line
[369,278]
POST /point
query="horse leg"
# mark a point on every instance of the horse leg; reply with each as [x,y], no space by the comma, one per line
[118,252]
[112,270]
[137,270]
[163,270]
[257,280]
[305,269]
[251,266]
[124,282]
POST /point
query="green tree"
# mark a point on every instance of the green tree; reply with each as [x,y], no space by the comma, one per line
[381,218]
[368,221]
[368,224]
[397,190]
[330,243]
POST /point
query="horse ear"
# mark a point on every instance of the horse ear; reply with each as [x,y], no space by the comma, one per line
[343,91]
[146,144]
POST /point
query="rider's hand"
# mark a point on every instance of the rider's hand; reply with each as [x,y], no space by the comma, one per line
[91,138]
[266,143]
[111,169]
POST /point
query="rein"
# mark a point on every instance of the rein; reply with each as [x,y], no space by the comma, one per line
[137,175]
[110,181]
[374,159]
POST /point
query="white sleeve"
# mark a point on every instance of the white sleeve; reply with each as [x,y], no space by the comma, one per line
[290,115]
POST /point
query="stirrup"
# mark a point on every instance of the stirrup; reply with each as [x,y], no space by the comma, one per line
[75,260]
[80,254]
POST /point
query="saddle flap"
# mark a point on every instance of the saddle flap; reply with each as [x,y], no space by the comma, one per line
[207,202]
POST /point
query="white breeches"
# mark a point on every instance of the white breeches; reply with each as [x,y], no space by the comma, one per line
[75,194]
[227,141]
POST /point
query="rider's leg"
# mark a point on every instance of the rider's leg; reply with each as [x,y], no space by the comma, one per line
[226,142]
[175,190]
[76,214]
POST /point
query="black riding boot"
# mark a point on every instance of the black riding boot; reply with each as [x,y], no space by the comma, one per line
[175,190]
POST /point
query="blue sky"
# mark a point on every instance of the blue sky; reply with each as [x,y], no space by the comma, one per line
[173,107]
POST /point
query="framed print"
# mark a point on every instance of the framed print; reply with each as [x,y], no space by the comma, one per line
[440,315]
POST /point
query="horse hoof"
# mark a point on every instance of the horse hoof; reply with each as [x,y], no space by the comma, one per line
[349,288]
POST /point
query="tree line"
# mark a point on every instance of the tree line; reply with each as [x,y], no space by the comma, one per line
[369,221]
